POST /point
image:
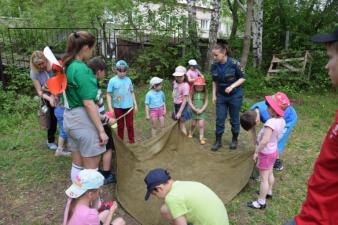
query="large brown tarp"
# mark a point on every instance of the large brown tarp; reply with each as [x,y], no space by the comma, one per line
[224,172]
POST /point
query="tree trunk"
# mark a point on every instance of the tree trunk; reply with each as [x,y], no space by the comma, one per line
[214,23]
[257,33]
[247,33]
[192,27]
[234,13]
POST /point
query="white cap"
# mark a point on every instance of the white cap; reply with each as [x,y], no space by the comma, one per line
[154,81]
[192,62]
[180,71]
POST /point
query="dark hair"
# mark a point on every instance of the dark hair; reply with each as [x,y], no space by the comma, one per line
[333,45]
[248,120]
[96,64]
[76,41]
[223,47]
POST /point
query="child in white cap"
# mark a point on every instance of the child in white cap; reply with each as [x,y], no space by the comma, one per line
[180,96]
[193,72]
[155,104]
[82,206]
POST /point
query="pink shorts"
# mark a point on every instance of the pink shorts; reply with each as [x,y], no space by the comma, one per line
[156,113]
[266,161]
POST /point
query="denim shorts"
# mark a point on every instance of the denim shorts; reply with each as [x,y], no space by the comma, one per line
[186,114]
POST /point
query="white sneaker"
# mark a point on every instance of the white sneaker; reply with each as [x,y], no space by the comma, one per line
[52,146]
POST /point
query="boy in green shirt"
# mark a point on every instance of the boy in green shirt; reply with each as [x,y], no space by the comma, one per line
[186,202]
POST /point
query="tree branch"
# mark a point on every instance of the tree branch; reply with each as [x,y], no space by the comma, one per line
[241,6]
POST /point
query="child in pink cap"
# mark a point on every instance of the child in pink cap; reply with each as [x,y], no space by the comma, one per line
[266,143]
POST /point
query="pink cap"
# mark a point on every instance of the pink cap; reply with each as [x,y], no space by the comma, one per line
[199,81]
[279,102]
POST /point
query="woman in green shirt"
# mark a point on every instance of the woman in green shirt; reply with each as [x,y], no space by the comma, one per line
[87,138]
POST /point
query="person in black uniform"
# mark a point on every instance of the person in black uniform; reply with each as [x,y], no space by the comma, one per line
[227,93]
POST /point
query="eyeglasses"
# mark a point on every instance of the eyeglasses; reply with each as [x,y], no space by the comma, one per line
[121,69]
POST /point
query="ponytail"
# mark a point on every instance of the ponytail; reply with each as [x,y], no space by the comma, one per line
[75,43]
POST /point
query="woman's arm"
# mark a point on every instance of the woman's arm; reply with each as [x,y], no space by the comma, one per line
[238,83]
[39,91]
[93,114]
[214,92]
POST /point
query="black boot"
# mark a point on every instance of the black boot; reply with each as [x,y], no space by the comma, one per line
[234,141]
[217,143]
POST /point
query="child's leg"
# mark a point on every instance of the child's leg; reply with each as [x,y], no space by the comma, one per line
[192,128]
[161,119]
[264,186]
[120,122]
[130,126]
[118,221]
[201,128]
[106,160]
[104,215]
[182,127]
[271,181]
[153,126]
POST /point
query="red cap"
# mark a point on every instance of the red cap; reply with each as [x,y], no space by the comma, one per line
[199,81]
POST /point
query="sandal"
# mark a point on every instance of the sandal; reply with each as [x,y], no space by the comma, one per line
[255,205]
[267,196]
[202,141]
[190,134]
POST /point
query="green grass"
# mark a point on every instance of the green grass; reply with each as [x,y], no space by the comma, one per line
[32,180]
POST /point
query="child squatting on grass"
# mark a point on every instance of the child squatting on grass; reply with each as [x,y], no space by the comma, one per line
[198,102]
[84,203]
[266,143]
[155,104]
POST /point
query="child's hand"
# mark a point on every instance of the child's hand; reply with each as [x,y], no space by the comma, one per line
[112,121]
[178,116]
[255,156]
[113,207]
[147,117]
[135,108]
[51,102]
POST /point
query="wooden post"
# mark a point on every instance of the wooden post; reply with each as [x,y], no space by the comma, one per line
[287,38]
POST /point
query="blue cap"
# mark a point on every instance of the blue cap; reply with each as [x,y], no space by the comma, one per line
[154,178]
[121,63]
[325,38]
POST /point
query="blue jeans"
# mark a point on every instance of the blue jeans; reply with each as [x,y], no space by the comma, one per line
[58,112]
[292,222]
[231,103]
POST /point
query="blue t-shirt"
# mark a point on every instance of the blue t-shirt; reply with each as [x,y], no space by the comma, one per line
[121,90]
[154,99]
[290,115]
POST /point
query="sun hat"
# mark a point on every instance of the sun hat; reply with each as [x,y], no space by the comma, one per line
[199,81]
[154,81]
[154,178]
[86,179]
[121,63]
[193,62]
[325,38]
[180,71]
[279,102]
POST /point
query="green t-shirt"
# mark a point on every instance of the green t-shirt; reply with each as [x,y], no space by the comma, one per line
[197,203]
[81,84]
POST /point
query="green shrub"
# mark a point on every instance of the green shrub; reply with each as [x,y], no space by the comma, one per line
[17,80]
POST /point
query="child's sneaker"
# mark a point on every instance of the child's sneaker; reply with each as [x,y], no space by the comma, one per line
[61,152]
[52,146]
[278,165]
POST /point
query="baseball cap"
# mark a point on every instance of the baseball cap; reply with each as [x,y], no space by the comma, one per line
[180,71]
[86,179]
[325,38]
[154,178]
[121,63]
[279,102]
[192,62]
[155,80]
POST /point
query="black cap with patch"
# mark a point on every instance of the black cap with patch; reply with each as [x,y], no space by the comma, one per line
[325,38]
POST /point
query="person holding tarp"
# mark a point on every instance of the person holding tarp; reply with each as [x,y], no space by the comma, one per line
[186,202]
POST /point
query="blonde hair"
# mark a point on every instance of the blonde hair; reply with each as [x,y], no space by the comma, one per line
[36,58]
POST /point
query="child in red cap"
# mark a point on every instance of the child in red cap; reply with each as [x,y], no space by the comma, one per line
[198,101]
[266,143]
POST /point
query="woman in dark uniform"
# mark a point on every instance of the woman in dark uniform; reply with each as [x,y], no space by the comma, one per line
[227,93]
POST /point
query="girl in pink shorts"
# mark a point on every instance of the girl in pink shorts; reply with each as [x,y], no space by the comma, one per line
[155,104]
[266,146]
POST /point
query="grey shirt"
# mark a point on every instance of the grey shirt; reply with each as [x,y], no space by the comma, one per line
[41,76]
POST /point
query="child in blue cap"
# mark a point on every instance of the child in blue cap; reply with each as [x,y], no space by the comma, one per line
[122,101]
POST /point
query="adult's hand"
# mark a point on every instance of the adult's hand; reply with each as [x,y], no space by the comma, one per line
[103,138]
